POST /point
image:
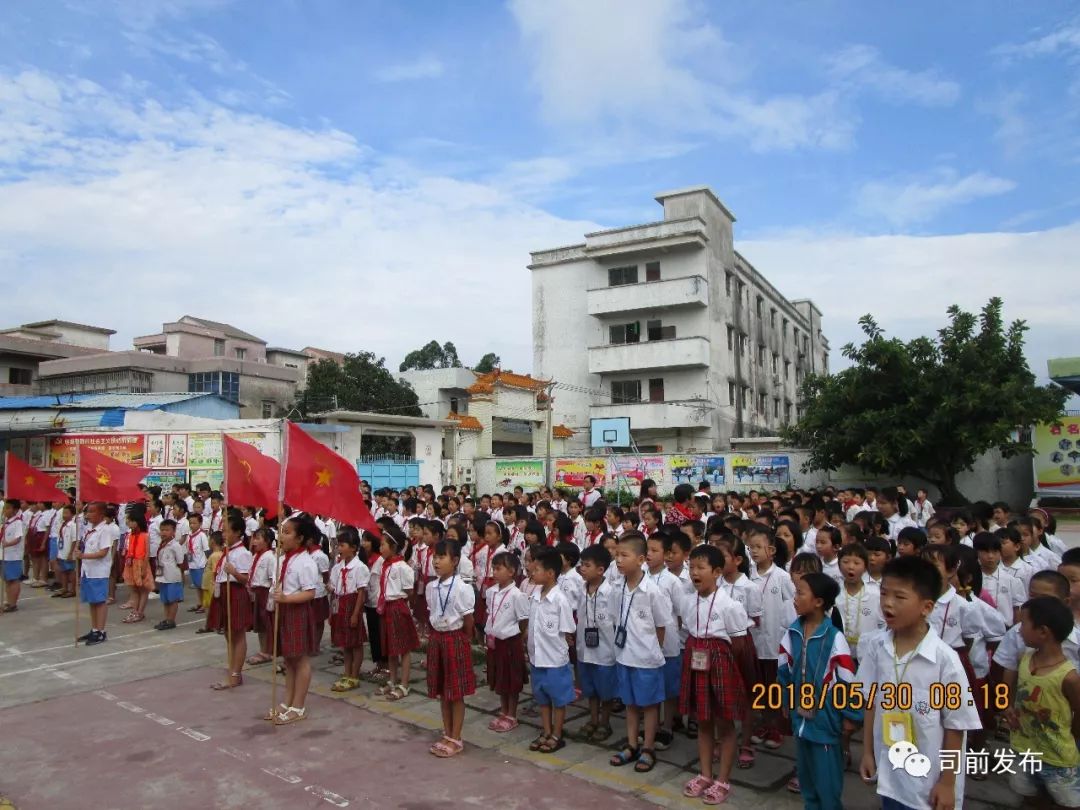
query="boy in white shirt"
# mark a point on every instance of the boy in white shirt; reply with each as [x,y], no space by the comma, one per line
[198,547]
[657,549]
[14,546]
[912,657]
[170,573]
[1006,590]
[551,624]
[96,556]
[596,643]
[859,602]
[66,542]
[644,613]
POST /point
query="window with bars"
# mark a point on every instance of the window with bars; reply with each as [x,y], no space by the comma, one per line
[625,391]
[618,276]
[625,333]
[657,331]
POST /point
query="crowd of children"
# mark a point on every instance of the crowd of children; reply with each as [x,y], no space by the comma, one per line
[735,619]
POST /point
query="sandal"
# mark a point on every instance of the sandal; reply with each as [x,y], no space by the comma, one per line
[202,630]
[385,689]
[696,786]
[290,715]
[447,747]
[272,715]
[130,618]
[536,744]
[624,757]
[508,724]
[717,793]
[646,761]
[552,744]
[588,730]
[746,757]
[398,692]
[261,658]
[601,734]
[235,680]
[691,729]
[9,608]
[341,684]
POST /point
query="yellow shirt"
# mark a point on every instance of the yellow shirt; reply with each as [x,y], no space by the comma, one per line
[211,567]
[1045,715]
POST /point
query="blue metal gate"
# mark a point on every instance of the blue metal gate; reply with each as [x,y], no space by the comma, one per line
[390,474]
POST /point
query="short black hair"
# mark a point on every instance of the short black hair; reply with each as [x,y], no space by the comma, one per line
[569,552]
[806,563]
[876,543]
[162,525]
[1071,556]
[349,536]
[948,555]
[913,535]
[636,540]
[450,548]
[595,514]
[664,538]
[854,550]
[921,574]
[823,587]
[681,540]
[832,533]
[435,527]
[596,553]
[1051,613]
[1054,579]
[506,559]
[549,559]
[715,555]
[986,541]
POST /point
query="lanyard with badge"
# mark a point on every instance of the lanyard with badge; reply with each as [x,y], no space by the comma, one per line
[852,635]
[490,637]
[592,631]
[699,659]
[899,726]
[624,618]
[444,603]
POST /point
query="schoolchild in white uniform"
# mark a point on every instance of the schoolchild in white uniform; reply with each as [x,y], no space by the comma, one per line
[96,556]
[1006,589]
[658,547]
[66,542]
[198,547]
[170,573]
[551,624]
[348,584]
[13,539]
[507,612]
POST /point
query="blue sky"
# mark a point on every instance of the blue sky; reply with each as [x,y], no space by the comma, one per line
[384,168]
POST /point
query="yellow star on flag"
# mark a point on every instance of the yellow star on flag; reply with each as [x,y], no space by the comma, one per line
[103,476]
[323,477]
[28,480]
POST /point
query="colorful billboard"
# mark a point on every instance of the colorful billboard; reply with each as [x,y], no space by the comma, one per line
[125,447]
[1057,457]
[527,474]
[571,472]
[695,469]
[629,471]
[771,471]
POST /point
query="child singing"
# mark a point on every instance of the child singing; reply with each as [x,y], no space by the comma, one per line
[348,587]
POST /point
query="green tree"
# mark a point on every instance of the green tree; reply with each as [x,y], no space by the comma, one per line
[432,355]
[489,362]
[361,383]
[928,407]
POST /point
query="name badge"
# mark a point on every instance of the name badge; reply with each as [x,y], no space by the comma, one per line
[897,727]
[699,660]
[592,637]
[489,641]
[620,637]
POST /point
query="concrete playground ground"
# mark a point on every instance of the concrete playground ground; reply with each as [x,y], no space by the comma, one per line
[132,723]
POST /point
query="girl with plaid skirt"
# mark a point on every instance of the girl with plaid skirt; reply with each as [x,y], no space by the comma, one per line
[262,574]
[234,613]
[507,616]
[712,690]
[450,675]
[348,588]
[495,538]
[320,606]
[399,637]
[292,594]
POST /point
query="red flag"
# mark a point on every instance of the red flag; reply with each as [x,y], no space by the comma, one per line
[103,478]
[29,483]
[319,481]
[251,479]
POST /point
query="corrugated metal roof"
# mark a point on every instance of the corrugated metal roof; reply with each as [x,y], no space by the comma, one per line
[130,402]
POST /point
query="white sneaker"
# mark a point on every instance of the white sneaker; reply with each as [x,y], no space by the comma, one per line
[153,596]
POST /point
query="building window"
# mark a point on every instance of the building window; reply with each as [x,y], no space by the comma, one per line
[240,353]
[795,338]
[746,396]
[656,389]
[625,333]
[225,384]
[775,363]
[625,391]
[784,328]
[652,271]
[787,369]
[787,411]
[657,331]
[453,405]
[20,376]
[772,317]
[291,365]
[761,355]
[742,345]
[219,347]
[824,364]
[730,338]
[762,402]
[267,409]
[731,392]
[760,306]
[776,407]
[617,276]
[727,283]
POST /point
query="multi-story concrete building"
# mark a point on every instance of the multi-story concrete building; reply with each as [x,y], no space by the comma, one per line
[24,348]
[667,324]
[191,354]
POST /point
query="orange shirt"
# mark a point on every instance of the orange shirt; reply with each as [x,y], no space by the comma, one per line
[138,546]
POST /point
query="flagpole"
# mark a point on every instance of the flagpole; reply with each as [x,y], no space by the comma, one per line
[277,572]
[3,545]
[228,592]
[78,560]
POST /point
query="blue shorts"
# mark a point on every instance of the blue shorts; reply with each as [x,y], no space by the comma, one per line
[67,565]
[196,577]
[54,548]
[12,570]
[171,592]
[93,591]
[553,686]
[597,680]
[672,677]
[639,686]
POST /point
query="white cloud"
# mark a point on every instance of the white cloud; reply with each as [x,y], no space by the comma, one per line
[910,202]
[304,237]
[907,282]
[424,67]
[1063,40]
[861,66]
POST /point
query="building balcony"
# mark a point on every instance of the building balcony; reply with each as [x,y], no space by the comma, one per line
[681,414]
[667,235]
[687,352]
[670,293]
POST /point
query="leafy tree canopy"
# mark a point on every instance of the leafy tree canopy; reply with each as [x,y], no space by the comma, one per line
[489,362]
[432,355]
[928,407]
[361,383]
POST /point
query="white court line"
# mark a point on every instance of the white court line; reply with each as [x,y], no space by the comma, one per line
[13,651]
[47,667]
[327,796]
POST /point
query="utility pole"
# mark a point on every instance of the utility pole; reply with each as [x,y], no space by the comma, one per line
[547,443]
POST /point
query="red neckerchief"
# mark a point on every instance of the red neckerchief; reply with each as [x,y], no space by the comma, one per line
[284,566]
[372,559]
[225,556]
[255,562]
[594,537]
[387,565]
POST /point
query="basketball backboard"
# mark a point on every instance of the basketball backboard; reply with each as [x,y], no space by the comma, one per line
[611,432]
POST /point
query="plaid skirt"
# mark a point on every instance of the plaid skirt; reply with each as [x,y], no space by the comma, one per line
[717,693]
[242,614]
[37,544]
[263,618]
[296,631]
[342,634]
[398,631]
[507,672]
[320,610]
[449,665]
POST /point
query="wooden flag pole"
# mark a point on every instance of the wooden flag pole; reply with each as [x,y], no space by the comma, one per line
[277,572]
[78,560]
[3,543]
[228,594]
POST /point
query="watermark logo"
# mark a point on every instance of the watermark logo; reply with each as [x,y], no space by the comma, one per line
[904,755]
